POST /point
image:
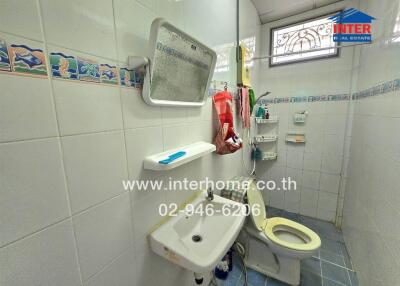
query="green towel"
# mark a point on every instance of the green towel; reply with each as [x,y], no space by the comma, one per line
[252,100]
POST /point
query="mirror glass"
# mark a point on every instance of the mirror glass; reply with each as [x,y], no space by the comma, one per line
[181,68]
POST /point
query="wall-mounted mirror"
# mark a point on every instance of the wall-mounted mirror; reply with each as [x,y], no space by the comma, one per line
[180,68]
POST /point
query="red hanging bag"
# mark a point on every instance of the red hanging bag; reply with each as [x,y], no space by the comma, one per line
[226,140]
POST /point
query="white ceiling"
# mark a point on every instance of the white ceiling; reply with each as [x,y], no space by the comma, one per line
[271,10]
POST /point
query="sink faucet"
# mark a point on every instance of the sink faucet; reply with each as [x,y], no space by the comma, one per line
[210,194]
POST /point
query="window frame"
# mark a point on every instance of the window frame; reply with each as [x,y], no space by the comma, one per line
[249,63]
[323,57]
[218,49]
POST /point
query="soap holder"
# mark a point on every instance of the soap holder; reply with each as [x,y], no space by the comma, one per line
[296,137]
[271,119]
[300,116]
[265,138]
[268,156]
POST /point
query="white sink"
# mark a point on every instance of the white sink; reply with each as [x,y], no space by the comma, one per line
[175,238]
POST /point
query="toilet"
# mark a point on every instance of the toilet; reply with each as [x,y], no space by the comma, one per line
[275,246]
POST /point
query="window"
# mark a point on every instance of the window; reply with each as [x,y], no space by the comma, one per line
[250,44]
[223,55]
[396,29]
[296,42]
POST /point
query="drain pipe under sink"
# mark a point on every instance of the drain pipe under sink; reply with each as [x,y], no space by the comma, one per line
[198,277]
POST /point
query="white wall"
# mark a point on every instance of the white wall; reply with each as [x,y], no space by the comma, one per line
[371,217]
[317,164]
[66,145]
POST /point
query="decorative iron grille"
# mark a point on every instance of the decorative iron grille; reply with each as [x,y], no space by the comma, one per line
[303,41]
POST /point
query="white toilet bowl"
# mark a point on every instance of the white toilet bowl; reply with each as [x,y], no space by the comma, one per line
[276,245]
[288,238]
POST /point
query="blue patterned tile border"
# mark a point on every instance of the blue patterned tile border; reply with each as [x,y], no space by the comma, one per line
[379,89]
[88,70]
[297,99]
[108,74]
[131,78]
[300,99]
[5,64]
[63,66]
[338,97]
[126,77]
[27,60]
[24,60]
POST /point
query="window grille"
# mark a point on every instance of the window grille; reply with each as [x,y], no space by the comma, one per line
[301,39]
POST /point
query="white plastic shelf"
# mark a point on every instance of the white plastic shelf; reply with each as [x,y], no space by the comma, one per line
[193,152]
[267,156]
[272,119]
[265,138]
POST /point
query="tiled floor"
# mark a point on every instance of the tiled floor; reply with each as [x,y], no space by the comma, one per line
[331,266]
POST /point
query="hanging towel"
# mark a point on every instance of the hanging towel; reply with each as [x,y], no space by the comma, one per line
[245,108]
[243,72]
[252,100]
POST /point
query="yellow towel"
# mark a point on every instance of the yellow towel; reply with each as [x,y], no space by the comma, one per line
[243,71]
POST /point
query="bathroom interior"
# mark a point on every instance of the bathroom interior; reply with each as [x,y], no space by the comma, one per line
[96,94]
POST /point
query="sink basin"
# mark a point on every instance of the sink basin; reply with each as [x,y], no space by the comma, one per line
[198,241]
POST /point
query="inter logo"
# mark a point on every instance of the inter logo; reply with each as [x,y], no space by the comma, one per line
[352,25]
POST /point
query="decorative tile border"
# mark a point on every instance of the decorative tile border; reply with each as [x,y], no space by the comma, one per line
[21,59]
[128,77]
[88,70]
[300,99]
[63,66]
[5,64]
[379,89]
[24,60]
[108,74]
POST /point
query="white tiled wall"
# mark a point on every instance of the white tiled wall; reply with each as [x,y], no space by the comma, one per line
[317,164]
[65,146]
[46,258]
[371,214]
[35,116]
[33,189]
